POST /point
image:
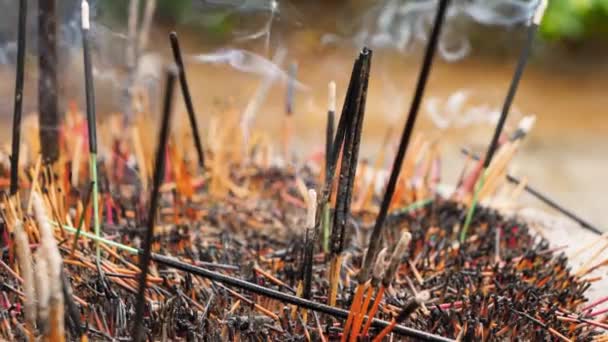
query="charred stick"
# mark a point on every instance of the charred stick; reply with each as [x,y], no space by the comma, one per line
[48,116]
[18,107]
[177,55]
[91,119]
[348,168]
[159,173]
[287,298]
[374,245]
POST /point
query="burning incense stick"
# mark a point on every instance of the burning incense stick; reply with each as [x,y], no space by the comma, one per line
[18,108]
[519,70]
[159,173]
[177,55]
[91,119]
[374,243]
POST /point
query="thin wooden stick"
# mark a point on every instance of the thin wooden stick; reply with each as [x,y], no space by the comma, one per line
[374,245]
[177,55]
[159,172]
[91,120]
[48,118]
[18,108]
[519,70]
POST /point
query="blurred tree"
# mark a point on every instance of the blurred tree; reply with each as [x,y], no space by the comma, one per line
[571,20]
[576,20]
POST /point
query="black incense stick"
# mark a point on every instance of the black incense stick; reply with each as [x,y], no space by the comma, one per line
[48,117]
[159,172]
[547,200]
[177,55]
[343,124]
[348,168]
[521,65]
[88,79]
[329,132]
[287,298]
[91,122]
[18,108]
[427,63]
[519,70]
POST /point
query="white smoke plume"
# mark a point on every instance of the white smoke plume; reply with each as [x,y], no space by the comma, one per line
[400,24]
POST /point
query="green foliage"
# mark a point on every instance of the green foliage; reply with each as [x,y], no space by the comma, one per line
[213,21]
[576,19]
[572,20]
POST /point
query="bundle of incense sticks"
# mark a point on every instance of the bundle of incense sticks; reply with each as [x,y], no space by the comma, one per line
[149,244]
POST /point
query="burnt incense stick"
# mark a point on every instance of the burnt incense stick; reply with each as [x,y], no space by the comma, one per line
[323,217]
[287,298]
[48,117]
[519,70]
[348,168]
[350,127]
[547,200]
[309,244]
[374,244]
[91,118]
[343,125]
[257,289]
[159,172]
[18,108]
[177,55]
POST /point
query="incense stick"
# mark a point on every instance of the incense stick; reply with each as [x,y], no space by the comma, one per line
[18,107]
[48,117]
[348,168]
[159,173]
[334,151]
[329,131]
[352,134]
[329,141]
[91,120]
[519,70]
[177,56]
[258,289]
[374,244]
[546,199]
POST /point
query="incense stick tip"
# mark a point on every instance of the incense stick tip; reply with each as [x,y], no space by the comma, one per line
[86,24]
[540,12]
[527,123]
[332,96]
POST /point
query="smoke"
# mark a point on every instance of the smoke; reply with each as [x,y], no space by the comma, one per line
[401,24]
[106,43]
[463,109]
[247,62]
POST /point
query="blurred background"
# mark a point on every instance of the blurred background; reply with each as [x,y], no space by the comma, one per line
[230,45]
